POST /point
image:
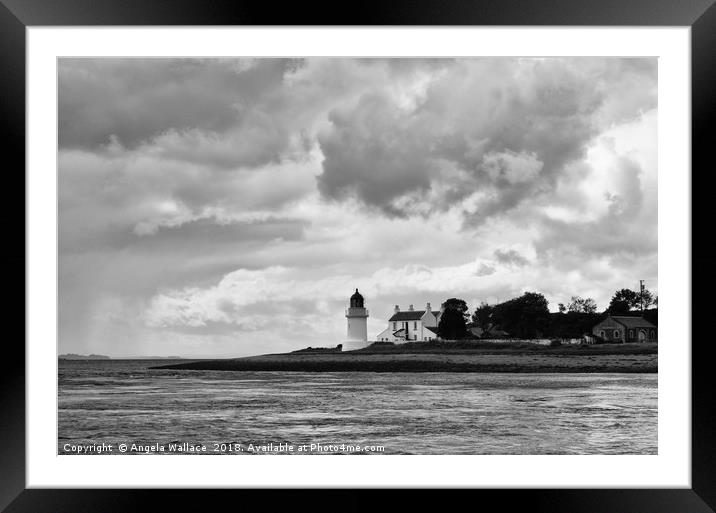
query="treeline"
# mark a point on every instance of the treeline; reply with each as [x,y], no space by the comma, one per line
[528,316]
[576,324]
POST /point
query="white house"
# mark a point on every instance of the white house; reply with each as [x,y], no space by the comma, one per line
[411,325]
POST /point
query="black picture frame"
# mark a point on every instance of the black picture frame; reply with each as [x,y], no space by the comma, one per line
[700,15]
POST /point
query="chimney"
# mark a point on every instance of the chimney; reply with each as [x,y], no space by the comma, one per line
[410,308]
[397,309]
[427,307]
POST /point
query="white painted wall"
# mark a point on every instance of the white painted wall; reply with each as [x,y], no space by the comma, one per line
[386,335]
[357,324]
[416,327]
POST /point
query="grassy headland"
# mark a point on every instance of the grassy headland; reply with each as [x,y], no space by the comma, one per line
[448,357]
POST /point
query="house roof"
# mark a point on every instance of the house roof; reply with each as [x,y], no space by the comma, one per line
[633,322]
[414,315]
[434,329]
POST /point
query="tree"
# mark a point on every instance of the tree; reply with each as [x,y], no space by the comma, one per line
[524,317]
[452,325]
[562,308]
[623,301]
[482,318]
[626,300]
[582,305]
[457,304]
[646,299]
[572,324]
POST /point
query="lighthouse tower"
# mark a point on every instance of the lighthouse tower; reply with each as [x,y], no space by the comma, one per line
[357,317]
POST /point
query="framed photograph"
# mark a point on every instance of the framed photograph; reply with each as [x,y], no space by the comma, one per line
[436,236]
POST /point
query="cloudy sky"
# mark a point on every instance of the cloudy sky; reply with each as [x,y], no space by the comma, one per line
[231,206]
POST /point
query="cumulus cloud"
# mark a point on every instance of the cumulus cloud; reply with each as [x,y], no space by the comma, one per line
[246,296]
[280,299]
[137,99]
[207,206]
[484,270]
[510,257]
[367,155]
[104,194]
[511,168]
[508,127]
[617,232]
[613,212]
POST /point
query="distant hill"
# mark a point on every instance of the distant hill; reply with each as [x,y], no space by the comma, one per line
[151,357]
[73,356]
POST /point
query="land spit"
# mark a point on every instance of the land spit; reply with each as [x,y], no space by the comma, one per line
[443,357]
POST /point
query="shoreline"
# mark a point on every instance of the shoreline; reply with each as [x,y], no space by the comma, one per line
[580,359]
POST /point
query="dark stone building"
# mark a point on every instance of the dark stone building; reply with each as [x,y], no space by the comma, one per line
[621,328]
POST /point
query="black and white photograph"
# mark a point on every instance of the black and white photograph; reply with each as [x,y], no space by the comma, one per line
[357,256]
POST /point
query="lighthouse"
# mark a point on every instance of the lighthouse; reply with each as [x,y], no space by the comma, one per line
[357,317]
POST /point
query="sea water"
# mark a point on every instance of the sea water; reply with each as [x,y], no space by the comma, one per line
[115,402]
